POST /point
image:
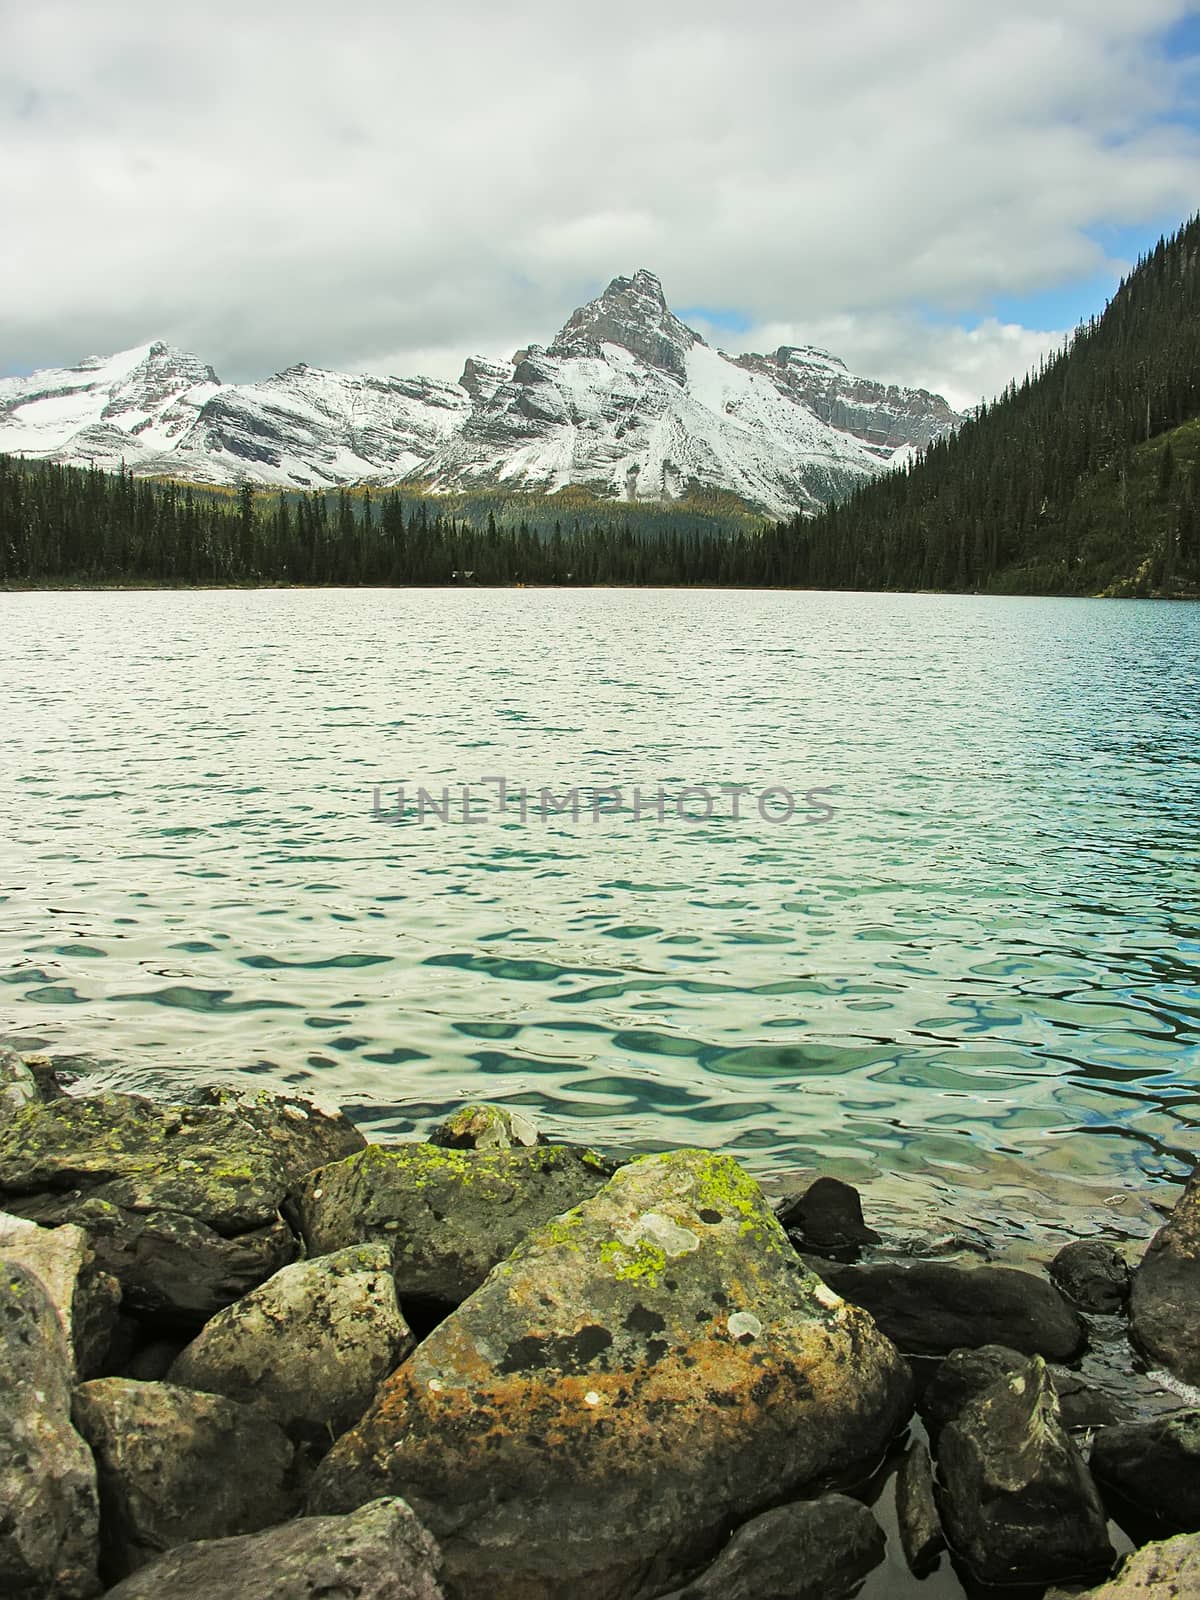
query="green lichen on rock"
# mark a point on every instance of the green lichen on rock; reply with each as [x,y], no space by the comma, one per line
[645,1372]
[450,1216]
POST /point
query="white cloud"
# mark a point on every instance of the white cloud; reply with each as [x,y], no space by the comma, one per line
[386,186]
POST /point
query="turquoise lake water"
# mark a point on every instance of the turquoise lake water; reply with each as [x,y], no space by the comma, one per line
[971,960]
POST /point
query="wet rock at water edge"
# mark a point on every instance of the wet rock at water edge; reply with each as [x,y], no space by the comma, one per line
[309,1347]
[1093,1275]
[1017,1502]
[49,1514]
[810,1550]
[176,1466]
[963,1374]
[380,1552]
[448,1215]
[827,1216]
[1165,1297]
[1167,1570]
[641,1373]
[916,1510]
[1155,1466]
[931,1308]
[86,1299]
[483,1127]
[18,1087]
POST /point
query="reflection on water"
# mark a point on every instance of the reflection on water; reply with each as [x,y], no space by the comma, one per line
[982,969]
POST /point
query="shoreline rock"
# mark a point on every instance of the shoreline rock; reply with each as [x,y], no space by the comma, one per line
[623,1379]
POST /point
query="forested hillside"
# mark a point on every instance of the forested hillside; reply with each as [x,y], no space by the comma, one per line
[65,525]
[1083,479]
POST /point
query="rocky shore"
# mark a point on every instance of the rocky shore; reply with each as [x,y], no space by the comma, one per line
[245,1353]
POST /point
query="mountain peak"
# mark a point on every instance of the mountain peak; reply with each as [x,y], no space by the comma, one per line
[632,313]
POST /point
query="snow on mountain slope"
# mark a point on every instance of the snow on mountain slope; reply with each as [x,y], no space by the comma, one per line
[627,400]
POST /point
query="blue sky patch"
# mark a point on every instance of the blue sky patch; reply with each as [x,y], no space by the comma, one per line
[725,317]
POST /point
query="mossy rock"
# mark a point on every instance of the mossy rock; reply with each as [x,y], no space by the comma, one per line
[449,1216]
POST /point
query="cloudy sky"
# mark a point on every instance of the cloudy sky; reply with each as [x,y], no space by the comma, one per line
[935,189]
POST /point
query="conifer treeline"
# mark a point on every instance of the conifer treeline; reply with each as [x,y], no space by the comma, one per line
[1057,487]
[69,525]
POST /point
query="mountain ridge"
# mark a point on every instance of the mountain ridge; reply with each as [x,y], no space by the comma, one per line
[626,401]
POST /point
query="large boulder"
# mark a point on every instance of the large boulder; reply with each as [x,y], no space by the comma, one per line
[379,1553]
[641,1373]
[810,1550]
[309,1347]
[1018,1503]
[49,1514]
[87,1300]
[448,1215]
[182,1202]
[1155,1466]
[1166,1570]
[931,1308]
[1164,1301]
[175,1466]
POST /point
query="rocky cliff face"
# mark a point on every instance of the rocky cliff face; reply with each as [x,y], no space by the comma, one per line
[626,400]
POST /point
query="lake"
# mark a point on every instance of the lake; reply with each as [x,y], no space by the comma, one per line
[968,963]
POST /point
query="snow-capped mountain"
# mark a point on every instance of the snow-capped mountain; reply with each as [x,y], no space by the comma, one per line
[627,401]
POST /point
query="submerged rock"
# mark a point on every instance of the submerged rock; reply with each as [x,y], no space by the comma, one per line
[482,1127]
[828,1216]
[916,1510]
[309,1347]
[931,1308]
[448,1215]
[810,1550]
[641,1372]
[1018,1503]
[1155,1466]
[176,1466]
[49,1515]
[1168,1570]
[182,1202]
[1092,1274]
[380,1552]
[87,1300]
[1166,1290]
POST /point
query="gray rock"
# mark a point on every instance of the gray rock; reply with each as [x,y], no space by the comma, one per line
[1018,1503]
[1083,1405]
[49,1515]
[378,1553]
[1092,1274]
[916,1510]
[810,1550]
[175,1466]
[171,1267]
[1167,1570]
[183,1202]
[483,1127]
[448,1215]
[87,1300]
[1155,1465]
[931,1308]
[18,1087]
[309,1347]
[641,1373]
[1166,1290]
